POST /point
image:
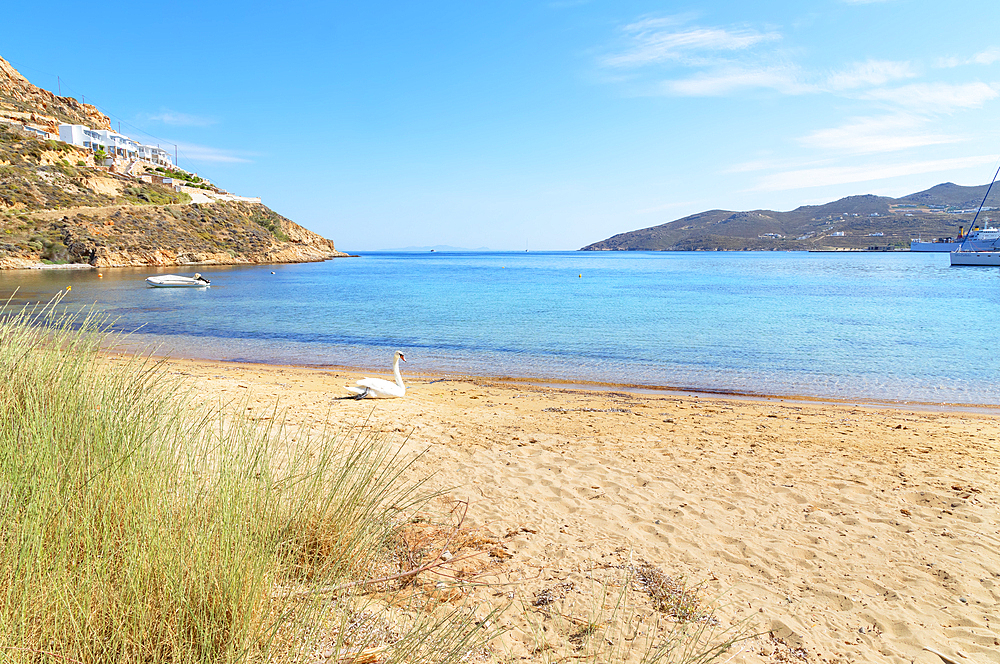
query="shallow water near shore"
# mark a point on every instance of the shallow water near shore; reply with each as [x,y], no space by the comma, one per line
[880,326]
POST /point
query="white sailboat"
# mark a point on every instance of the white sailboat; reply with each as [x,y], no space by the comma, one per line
[988,258]
[969,255]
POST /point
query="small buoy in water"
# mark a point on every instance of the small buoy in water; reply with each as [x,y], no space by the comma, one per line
[272,272]
[99,274]
[581,276]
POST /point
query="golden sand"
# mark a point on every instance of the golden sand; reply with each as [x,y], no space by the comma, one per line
[845,533]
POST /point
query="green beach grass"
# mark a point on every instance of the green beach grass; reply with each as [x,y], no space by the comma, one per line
[140,524]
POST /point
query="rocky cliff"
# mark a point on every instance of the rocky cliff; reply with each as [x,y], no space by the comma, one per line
[56,206]
[223,233]
[28,104]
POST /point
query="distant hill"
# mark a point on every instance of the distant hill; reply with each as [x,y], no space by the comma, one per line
[855,222]
[953,195]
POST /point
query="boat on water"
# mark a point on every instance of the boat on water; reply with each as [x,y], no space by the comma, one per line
[987,239]
[988,258]
[965,255]
[177,281]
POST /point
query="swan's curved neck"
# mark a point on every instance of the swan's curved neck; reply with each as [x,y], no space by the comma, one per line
[395,371]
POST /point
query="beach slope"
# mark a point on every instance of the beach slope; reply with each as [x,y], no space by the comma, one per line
[841,533]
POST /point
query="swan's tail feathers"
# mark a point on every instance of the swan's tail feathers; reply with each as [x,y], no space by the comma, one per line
[359,392]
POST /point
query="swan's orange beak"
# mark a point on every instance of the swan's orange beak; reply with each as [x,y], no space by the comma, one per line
[401,357]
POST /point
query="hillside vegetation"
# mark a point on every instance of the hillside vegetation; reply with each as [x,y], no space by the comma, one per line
[57,207]
[49,175]
[855,222]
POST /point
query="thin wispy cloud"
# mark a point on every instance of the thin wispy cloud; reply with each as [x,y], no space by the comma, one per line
[869,73]
[770,165]
[895,107]
[724,59]
[178,119]
[786,78]
[935,97]
[834,175]
[207,154]
[711,61]
[723,81]
[661,40]
[986,57]
[876,134]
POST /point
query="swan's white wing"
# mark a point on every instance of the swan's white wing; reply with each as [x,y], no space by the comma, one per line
[379,384]
[378,387]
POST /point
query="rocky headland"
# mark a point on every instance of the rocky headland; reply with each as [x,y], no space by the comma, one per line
[57,207]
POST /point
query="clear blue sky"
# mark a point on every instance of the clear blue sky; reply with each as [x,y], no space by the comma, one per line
[547,124]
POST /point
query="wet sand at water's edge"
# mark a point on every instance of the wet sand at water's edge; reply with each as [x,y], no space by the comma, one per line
[847,533]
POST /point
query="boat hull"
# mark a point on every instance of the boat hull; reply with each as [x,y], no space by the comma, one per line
[916,245]
[985,258]
[175,281]
[970,245]
[985,240]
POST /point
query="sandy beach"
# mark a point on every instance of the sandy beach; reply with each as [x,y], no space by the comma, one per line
[842,533]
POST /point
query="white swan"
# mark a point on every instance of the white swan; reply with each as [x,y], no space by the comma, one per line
[378,388]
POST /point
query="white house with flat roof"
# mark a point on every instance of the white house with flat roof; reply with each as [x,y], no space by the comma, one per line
[155,154]
[113,143]
[118,145]
[72,134]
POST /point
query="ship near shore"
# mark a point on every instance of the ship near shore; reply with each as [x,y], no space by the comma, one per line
[986,239]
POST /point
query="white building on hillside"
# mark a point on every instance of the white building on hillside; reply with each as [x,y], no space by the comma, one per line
[114,144]
[38,132]
[72,134]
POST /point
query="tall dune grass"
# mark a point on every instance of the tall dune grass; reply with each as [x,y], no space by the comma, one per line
[137,525]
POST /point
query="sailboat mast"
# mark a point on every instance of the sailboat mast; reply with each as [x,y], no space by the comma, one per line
[973,224]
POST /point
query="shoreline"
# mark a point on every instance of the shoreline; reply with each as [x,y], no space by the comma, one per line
[908,372]
[607,387]
[843,532]
[158,266]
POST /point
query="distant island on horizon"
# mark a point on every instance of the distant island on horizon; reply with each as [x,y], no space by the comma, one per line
[866,222]
[429,248]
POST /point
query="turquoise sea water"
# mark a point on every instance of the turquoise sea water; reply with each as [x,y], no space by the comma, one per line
[892,326]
